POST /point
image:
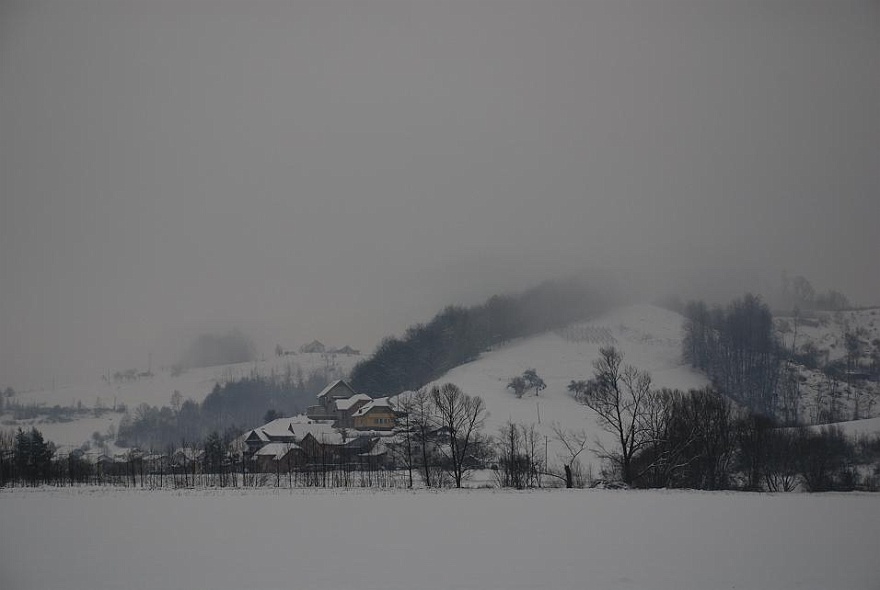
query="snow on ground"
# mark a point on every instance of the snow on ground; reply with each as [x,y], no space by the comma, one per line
[193,384]
[855,428]
[361,540]
[648,336]
[826,330]
[70,435]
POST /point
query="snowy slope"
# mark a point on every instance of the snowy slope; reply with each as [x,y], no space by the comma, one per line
[826,333]
[648,336]
[157,390]
[193,384]
[857,428]
[827,330]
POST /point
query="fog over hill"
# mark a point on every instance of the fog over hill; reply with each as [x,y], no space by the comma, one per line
[340,171]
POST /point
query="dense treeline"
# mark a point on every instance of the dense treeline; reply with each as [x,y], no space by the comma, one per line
[707,445]
[698,439]
[56,413]
[26,457]
[459,334]
[233,406]
[737,348]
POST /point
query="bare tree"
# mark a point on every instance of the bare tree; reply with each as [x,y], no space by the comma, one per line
[404,430]
[461,417]
[421,412]
[574,442]
[619,394]
[780,470]
[512,461]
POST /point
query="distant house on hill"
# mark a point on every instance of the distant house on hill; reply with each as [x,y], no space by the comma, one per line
[347,350]
[313,346]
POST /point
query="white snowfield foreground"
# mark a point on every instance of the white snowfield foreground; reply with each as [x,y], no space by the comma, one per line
[399,540]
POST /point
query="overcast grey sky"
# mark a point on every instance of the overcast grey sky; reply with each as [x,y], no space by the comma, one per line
[338,170]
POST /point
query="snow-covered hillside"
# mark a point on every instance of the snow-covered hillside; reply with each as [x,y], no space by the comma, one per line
[827,331]
[837,352]
[648,336]
[156,390]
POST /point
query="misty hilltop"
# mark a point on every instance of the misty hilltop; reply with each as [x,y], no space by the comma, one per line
[178,168]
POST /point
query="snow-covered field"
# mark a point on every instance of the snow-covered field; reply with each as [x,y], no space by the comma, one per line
[583,539]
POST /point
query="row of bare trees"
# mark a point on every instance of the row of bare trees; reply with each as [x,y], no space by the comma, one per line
[698,439]
[440,434]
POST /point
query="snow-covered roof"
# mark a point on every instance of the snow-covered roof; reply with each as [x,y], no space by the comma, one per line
[378,450]
[322,430]
[381,402]
[346,404]
[277,450]
[332,436]
[330,387]
[297,427]
[286,426]
[279,427]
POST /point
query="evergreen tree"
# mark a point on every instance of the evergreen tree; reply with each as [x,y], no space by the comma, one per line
[33,455]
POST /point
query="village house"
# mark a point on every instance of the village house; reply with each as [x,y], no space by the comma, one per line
[326,407]
[313,347]
[379,414]
[345,409]
[345,427]
[188,458]
[278,456]
[347,350]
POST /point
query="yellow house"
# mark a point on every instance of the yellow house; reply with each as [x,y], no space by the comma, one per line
[378,414]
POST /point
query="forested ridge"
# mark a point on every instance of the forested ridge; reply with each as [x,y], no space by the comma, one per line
[458,334]
[230,408]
